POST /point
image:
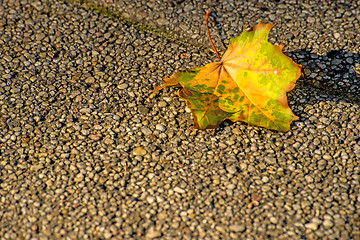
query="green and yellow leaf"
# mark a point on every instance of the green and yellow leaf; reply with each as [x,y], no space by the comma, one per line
[249,84]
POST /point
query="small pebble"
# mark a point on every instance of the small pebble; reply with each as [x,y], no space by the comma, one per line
[179,190]
[139,151]
[237,228]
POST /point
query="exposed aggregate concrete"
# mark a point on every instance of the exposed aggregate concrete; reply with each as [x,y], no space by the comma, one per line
[88,152]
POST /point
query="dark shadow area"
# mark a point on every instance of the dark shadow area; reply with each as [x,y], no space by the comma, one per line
[336,73]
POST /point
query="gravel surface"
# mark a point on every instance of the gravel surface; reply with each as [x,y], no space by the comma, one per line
[88,152]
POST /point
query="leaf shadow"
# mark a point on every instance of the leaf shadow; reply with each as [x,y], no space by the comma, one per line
[334,73]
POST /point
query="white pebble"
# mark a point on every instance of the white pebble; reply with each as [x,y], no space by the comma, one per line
[179,190]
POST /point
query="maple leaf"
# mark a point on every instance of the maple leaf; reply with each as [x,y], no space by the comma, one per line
[248,84]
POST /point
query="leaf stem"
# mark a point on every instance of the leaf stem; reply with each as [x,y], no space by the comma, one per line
[208,31]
